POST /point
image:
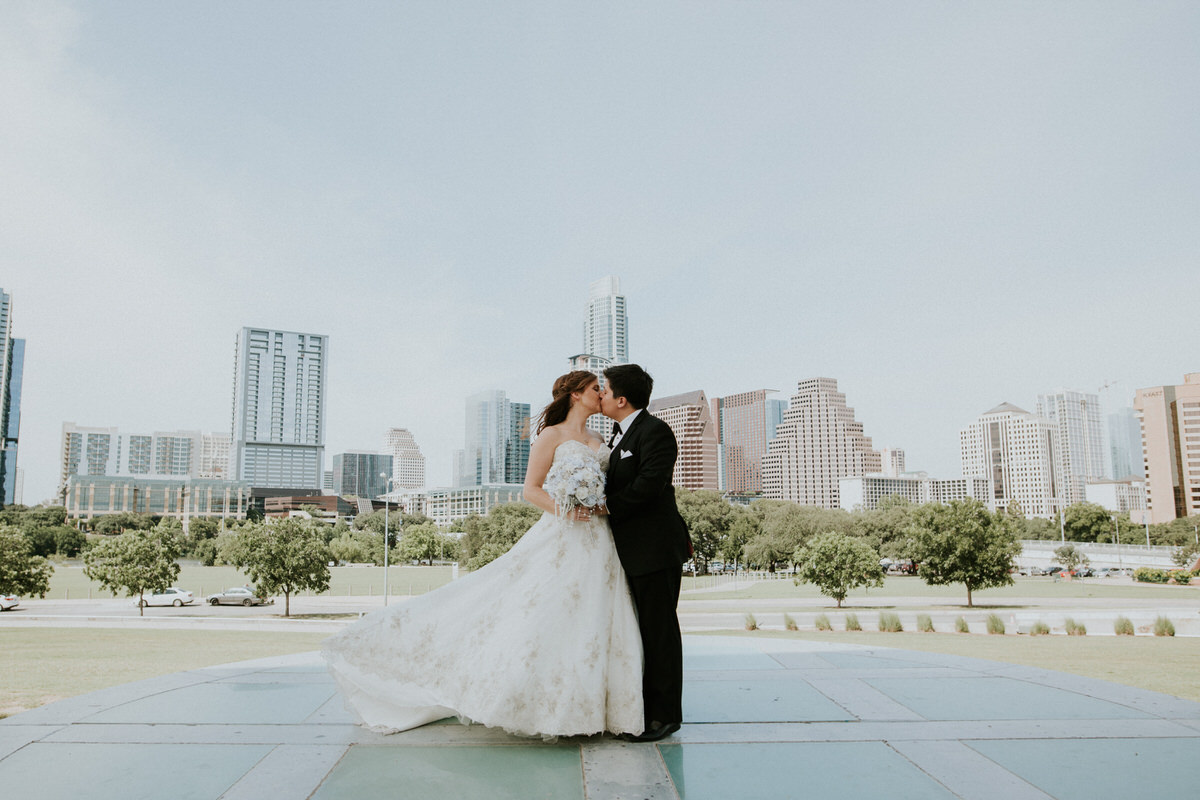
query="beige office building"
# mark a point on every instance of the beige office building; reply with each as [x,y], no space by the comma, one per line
[1170,419]
[1017,452]
[818,443]
[691,422]
[408,464]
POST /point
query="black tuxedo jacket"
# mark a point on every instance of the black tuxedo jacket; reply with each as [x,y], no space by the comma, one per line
[649,533]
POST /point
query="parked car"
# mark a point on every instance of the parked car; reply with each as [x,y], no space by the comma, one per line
[1084,572]
[8,601]
[167,597]
[237,596]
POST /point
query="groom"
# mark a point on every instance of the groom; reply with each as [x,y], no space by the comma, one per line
[651,538]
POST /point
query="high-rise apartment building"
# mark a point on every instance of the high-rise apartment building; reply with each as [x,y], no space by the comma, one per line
[606,326]
[690,420]
[1170,417]
[1081,449]
[12,366]
[745,424]
[361,473]
[161,454]
[818,443]
[1016,451]
[497,441]
[279,408]
[865,492]
[408,465]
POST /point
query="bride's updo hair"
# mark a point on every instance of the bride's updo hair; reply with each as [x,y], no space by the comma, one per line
[556,412]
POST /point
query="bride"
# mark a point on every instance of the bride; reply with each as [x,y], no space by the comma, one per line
[543,641]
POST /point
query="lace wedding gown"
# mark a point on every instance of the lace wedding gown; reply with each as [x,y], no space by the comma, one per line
[542,641]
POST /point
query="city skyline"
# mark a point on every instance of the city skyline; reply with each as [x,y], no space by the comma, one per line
[944,209]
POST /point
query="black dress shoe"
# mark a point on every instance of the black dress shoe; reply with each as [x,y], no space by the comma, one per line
[657,730]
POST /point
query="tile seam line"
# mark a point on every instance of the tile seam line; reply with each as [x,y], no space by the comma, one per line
[329,772]
[973,750]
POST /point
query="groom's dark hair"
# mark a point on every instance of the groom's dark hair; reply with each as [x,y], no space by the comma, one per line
[631,382]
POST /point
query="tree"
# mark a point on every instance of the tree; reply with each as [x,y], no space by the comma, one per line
[488,538]
[837,563]
[122,521]
[708,517]
[1071,557]
[963,543]
[281,557]
[1087,522]
[744,527]
[420,543]
[352,547]
[135,562]
[1185,555]
[21,571]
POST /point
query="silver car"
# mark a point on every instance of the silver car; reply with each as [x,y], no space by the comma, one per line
[237,596]
[8,601]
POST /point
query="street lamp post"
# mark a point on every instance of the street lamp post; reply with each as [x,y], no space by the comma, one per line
[386,536]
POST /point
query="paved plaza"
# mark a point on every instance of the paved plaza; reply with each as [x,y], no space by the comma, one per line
[766,718]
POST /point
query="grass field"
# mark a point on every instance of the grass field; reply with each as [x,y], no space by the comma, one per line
[723,589]
[1160,664]
[69,582]
[47,664]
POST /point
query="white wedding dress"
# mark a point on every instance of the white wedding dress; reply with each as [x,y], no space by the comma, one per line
[543,641]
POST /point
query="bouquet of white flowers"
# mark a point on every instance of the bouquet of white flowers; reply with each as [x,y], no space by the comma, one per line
[575,480]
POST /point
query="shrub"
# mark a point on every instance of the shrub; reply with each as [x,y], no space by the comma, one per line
[889,622]
[852,623]
[1164,627]
[1074,628]
[1151,575]
[1039,629]
[924,623]
[822,622]
[751,623]
[789,623]
[961,626]
[995,624]
[1122,626]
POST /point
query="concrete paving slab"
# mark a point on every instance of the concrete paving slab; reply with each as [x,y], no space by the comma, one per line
[287,771]
[765,718]
[1086,769]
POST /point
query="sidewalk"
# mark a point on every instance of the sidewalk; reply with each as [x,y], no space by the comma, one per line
[766,718]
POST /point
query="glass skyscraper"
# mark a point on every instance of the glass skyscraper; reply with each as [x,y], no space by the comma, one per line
[497,441]
[12,364]
[279,409]
[606,327]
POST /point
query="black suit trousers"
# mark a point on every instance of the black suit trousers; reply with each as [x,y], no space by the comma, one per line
[656,597]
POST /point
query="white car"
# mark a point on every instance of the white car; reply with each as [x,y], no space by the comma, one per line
[167,597]
[8,601]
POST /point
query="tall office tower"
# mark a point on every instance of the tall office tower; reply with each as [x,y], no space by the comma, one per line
[279,408]
[690,420]
[745,423]
[606,327]
[361,473]
[1016,451]
[1170,418]
[1081,440]
[497,441]
[818,443]
[408,465]
[12,365]
[892,461]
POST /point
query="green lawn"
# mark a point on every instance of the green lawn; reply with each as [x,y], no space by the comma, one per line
[47,664]
[782,589]
[69,582]
[1160,664]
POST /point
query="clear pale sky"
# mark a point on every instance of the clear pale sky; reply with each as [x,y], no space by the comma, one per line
[943,205]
